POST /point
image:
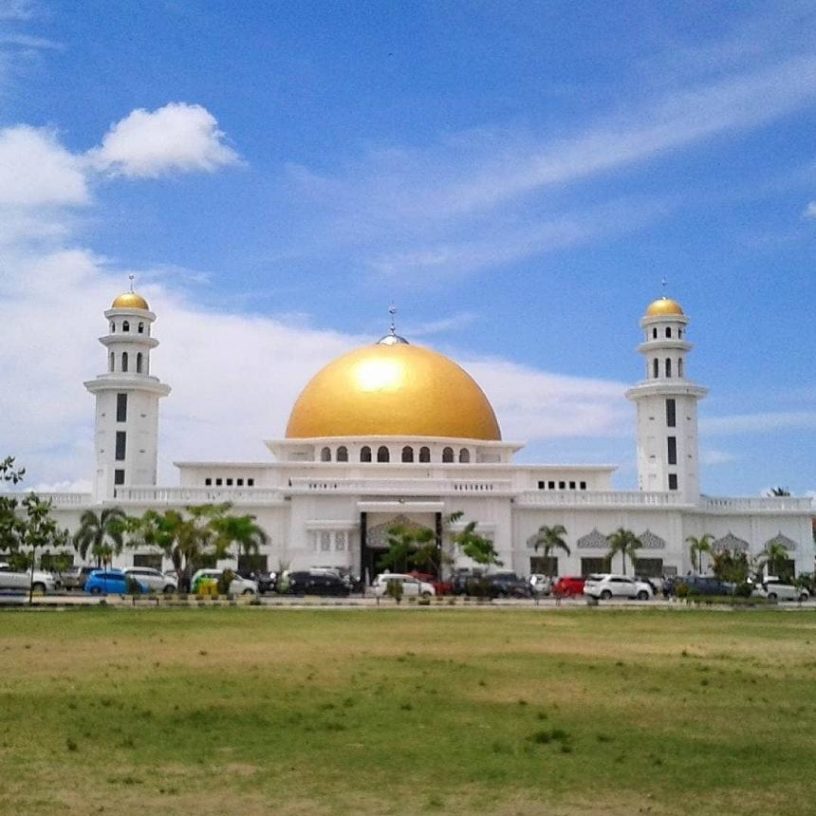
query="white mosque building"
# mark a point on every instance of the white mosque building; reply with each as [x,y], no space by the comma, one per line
[396,433]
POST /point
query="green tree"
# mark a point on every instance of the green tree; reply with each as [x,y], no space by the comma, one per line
[626,543]
[242,531]
[102,535]
[779,492]
[698,546]
[731,566]
[39,529]
[187,538]
[775,557]
[477,547]
[551,539]
[405,545]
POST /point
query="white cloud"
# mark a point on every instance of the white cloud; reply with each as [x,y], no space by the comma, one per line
[36,170]
[810,210]
[709,456]
[178,137]
[234,377]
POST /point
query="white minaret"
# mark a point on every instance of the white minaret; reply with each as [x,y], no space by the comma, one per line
[127,400]
[667,448]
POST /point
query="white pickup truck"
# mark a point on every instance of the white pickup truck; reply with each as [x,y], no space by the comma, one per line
[11,579]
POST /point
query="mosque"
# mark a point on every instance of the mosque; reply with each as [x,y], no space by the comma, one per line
[397,433]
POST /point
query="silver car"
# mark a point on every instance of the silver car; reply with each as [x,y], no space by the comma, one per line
[153,579]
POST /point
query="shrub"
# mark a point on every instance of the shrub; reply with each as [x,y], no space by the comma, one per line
[394,589]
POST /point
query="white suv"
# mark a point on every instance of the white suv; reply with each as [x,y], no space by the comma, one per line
[41,582]
[153,579]
[606,586]
[774,590]
[411,587]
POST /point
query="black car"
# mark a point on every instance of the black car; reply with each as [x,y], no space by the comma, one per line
[308,582]
[266,581]
[506,585]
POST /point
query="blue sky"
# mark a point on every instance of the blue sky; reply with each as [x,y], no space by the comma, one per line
[517,177]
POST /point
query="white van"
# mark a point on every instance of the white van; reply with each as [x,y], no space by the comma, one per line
[411,587]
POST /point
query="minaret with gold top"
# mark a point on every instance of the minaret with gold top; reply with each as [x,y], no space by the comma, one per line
[127,400]
[667,443]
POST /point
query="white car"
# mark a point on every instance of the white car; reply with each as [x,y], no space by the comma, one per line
[541,584]
[411,587]
[775,590]
[238,585]
[41,582]
[606,585]
[153,579]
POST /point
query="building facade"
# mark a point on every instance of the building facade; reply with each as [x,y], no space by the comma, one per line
[396,433]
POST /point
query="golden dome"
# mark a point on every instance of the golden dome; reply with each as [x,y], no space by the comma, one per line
[393,389]
[663,306]
[130,300]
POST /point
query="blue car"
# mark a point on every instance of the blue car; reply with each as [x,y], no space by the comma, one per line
[112,582]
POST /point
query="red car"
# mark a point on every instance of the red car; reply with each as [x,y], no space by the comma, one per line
[568,586]
[441,587]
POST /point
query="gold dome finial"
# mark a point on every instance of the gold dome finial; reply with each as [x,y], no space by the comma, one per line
[664,306]
[130,299]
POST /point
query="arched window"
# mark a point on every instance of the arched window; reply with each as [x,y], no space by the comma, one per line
[407,454]
[125,326]
[424,454]
[111,365]
[124,361]
[447,455]
[668,331]
[365,454]
[382,454]
[680,333]
[325,455]
[141,327]
[680,367]
[655,371]
[654,334]
[139,363]
[113,327]
[668,368]
[464,455]
[342,454]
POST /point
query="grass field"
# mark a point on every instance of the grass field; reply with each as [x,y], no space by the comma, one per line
[252,711]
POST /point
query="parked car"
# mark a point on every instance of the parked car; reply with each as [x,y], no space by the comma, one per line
[76,576]
[540,584]
[153,579]
[238,585]
[569,586]
[608,585]
[440,586]
[25,580]
[465,580]
[411,587]
[317,582]
[699,585]
[776,590]
[113,582]
[506,585]
[266,581]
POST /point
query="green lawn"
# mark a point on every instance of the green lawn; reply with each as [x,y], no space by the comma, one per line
[255,711]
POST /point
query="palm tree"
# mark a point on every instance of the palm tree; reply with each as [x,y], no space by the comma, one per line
[102,535]
[624,542]
[698,546]
[240,530]
[551,539]
[775,557]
